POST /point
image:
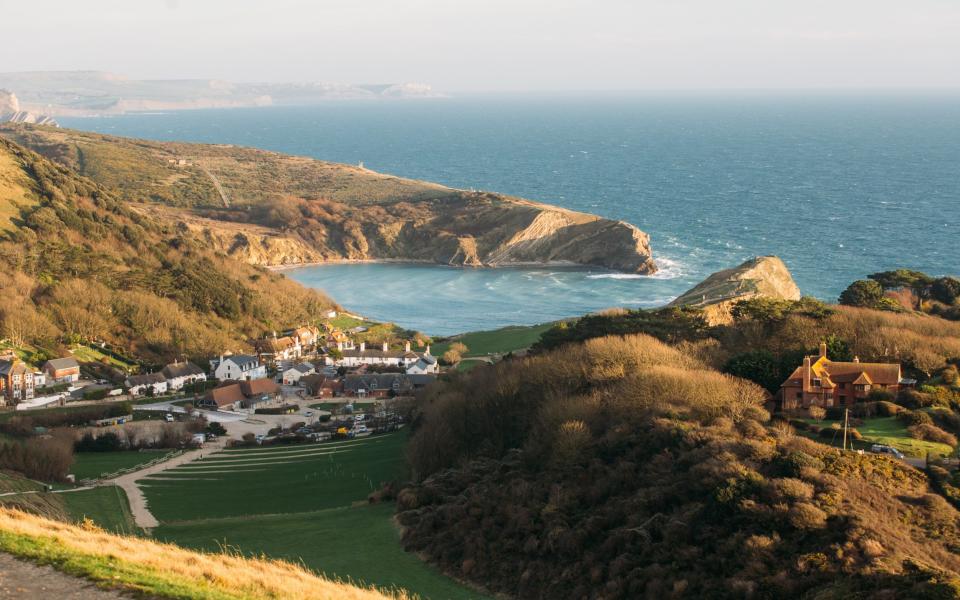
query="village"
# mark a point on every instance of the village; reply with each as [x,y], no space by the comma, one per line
[252,396]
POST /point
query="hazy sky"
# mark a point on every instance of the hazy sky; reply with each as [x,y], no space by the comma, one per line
[460,45]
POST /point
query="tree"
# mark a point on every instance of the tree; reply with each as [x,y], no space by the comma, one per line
[863,292]
[759,366]
[902,278]
[946,289]
[459,347]
[451,357]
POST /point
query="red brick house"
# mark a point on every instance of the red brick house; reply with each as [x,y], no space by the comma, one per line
[62,370]
[820,381]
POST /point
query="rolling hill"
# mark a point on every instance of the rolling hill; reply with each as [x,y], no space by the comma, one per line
[271,209]
[79,264]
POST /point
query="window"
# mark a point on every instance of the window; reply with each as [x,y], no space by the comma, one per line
[799,395]
[843,398]
[816,382]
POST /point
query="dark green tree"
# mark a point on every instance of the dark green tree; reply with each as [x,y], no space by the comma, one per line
[863,292]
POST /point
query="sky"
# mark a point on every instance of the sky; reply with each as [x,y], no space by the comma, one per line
[499,45]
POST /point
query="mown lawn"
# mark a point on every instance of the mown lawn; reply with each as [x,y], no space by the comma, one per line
[497,341]
[357,542]
[891,432]
[299,502]
[271,480]
[89,465]
[107,506]
[87,354]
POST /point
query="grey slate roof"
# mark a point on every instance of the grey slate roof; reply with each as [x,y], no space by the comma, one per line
[146,379]
[66,362]
[184,369]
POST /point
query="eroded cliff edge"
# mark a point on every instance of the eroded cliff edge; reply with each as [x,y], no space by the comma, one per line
[273,209]
[762,276]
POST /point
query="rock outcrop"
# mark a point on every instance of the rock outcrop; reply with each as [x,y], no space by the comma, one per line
[763,276]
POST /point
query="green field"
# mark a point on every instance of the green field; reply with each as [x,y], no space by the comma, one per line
[89,465]
[498,341]
[301,502]
[891,432]
[106,506]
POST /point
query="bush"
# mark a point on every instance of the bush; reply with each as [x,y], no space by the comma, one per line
[854,434]
[816,412]
[888,409]
[880,396]
[216,428]
[915,399]
[932,433]
[915,417]
[95,394]
[106,442]
[47,459]
[804,515]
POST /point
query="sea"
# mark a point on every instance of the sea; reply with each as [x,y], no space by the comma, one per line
[839,185]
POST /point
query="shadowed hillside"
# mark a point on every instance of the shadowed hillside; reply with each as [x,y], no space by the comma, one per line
[81,265]
[624,468]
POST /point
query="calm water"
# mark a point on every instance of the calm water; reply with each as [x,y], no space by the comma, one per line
[838,186]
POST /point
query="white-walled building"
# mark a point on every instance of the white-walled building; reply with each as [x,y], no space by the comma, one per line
[292,375]
[240,367]
[156,383]
[179,374]
[426,365]
[383,356]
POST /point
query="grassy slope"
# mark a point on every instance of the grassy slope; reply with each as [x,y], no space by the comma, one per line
[889,431]
[161,570]
[107,506]
[298,503]
[498,341]
[88,465]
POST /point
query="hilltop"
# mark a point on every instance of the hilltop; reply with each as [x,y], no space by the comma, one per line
[80,264]
[271,209]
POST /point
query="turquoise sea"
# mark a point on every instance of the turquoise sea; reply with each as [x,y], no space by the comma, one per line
[837,185]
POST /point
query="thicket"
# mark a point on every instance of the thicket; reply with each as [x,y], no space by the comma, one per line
[46,459]
[625,468]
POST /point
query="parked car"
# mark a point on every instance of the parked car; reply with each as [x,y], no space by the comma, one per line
[362,429]
[168,418]
[358,418]
[259,438]
[309,413]
[884,449]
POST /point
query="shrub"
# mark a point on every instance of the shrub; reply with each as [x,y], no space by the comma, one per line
[914,399]
[888,409]
[106,442]
[880,396]
[932,433]
[216,428]
[816,412]
[854,434]
[46,459]
[804,515]
[915,417]
[863,292]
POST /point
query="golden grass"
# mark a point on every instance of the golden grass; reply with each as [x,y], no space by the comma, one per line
[165,570]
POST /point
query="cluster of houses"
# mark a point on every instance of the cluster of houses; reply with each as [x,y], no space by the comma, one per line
[19,383]
[323,363]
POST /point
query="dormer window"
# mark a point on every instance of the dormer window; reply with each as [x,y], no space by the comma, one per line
[817,382]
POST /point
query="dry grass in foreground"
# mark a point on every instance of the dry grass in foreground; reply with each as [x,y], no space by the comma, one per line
[164,570]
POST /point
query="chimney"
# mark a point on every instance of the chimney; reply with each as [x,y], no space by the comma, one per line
[385,347]
[806,373]
[856,359]
[274,334]
[407,347]
[823,349]
[363,346]
[428,348]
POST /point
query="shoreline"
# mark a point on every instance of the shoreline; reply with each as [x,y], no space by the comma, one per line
[557,264]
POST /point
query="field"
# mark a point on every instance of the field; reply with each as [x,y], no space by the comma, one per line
[88,465]
[302,503]
[498,341]
[86,354]
[106,506]
[891,432]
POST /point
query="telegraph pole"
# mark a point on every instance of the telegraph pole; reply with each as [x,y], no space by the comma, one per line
[846,421]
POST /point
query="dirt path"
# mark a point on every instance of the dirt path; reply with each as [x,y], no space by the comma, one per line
[19,579]
[138,502]
[216,184]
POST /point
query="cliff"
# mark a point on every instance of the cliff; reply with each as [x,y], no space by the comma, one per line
[10,111]
[765,276]
[273,209]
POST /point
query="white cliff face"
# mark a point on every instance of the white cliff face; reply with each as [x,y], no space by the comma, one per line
[10,111]
[8,103]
